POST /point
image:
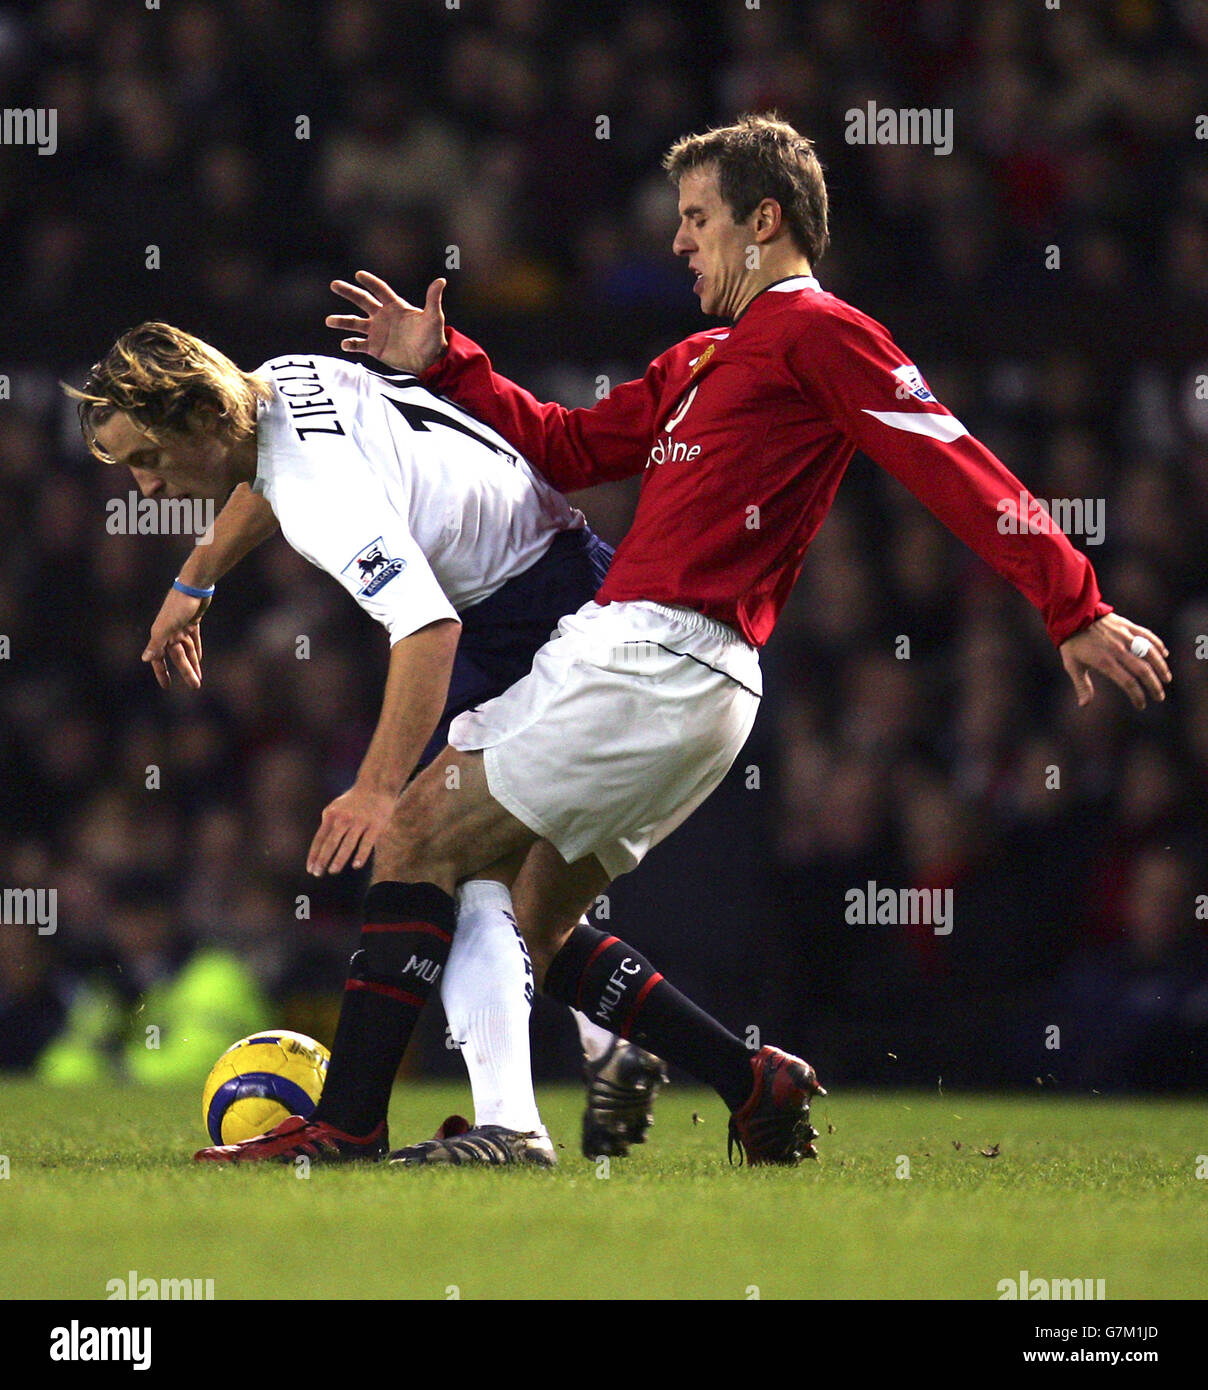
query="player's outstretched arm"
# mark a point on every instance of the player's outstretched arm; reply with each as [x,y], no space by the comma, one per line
[388,328]
[881,402]
[245,521]
[1125,652]
[572,449]
[417,685]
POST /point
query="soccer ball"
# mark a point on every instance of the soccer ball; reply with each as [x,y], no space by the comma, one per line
[260,1081]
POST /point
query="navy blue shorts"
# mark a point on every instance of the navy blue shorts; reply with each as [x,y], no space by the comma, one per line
[501,635]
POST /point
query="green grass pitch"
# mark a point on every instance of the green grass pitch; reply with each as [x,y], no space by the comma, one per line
[99,1183]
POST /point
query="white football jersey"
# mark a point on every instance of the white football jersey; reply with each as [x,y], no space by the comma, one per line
[413,505]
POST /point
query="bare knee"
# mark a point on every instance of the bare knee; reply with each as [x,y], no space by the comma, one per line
[447,827]
[406,854]
[415,845]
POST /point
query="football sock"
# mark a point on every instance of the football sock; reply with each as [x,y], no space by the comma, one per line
[487,991]
[404,944]
[595,1040]
[618,988]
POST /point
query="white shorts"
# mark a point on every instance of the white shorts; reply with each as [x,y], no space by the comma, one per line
[631,715]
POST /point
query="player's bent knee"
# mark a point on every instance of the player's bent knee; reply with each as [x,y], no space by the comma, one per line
[417,848]
[405,851]
[448,831]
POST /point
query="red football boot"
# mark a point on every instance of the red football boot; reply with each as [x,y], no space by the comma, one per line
[299,1138]
[773,1124]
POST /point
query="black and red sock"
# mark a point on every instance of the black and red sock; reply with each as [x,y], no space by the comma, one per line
[618,988]
[404,945]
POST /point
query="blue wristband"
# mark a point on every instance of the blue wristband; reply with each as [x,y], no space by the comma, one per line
[182,588]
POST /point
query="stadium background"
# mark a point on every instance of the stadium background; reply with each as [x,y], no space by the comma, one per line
[477,128]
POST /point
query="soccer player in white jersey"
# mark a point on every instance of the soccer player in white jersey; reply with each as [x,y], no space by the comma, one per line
[442,533]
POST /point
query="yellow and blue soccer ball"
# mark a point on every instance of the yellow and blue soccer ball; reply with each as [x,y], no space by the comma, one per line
[260,1081]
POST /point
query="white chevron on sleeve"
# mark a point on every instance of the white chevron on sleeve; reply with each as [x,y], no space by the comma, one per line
[945,428]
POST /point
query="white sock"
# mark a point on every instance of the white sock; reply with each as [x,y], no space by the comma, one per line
[596,1040]
[487,991]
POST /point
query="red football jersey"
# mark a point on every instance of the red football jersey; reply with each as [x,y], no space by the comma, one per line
[743,435]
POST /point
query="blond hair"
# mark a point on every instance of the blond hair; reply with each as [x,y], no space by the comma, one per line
[167,380]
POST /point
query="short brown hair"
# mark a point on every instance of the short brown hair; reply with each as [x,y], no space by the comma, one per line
[762,156]
[164,379]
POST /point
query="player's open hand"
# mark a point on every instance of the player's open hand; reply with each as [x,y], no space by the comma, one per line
[176,638]
[1125,652]
[349,829]
[393,331]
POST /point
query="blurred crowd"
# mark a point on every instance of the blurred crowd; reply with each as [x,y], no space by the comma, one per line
[218,162]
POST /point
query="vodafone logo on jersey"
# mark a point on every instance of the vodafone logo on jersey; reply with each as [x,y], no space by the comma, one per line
[667,450]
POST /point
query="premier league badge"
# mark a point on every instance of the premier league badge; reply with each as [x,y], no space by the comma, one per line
[372,568]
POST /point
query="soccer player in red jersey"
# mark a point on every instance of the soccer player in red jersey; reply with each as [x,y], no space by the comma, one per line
[637,708]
